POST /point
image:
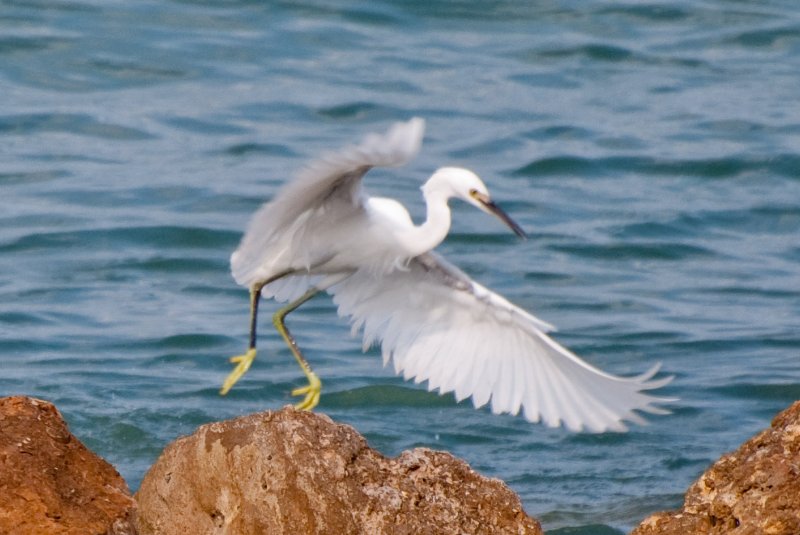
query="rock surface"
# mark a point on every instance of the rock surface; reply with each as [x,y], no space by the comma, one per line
[754,490]
[50,483]
[293,472]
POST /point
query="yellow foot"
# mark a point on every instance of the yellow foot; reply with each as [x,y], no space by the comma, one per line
[311,392]
[243,363]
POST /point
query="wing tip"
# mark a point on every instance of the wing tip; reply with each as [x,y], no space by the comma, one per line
[392,148]
[615,421]
[646,381]
[398,145]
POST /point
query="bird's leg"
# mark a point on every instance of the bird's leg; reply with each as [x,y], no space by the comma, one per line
[243,362]
[314,387]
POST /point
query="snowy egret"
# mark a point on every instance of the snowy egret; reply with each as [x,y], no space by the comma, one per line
[322,233]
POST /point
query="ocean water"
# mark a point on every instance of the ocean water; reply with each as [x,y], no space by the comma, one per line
[650,149]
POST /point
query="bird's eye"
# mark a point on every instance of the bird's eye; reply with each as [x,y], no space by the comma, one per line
[473,192]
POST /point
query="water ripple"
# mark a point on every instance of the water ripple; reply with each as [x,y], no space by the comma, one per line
[787,165]
[259,149]
[167,236]
[30,177]
[782,36]
[640,251]
[73,123]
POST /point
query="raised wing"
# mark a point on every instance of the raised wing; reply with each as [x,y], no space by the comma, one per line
[438,325]
[334,178]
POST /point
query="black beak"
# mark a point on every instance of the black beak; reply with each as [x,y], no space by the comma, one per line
[495,210]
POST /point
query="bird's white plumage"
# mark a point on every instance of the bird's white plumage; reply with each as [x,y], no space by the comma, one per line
[437,325]
[313,212]
[433,322]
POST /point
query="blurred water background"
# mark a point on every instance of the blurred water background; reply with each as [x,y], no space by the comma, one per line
[651,149]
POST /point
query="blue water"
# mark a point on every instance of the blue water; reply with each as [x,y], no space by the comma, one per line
[651,149]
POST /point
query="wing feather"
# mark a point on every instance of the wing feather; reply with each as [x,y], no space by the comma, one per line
[439,326]
[276,232]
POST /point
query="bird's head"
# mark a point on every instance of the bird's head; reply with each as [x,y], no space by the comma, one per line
[466,185]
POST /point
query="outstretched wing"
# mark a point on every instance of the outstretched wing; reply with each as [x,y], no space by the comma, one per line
[334,178]
[438,325]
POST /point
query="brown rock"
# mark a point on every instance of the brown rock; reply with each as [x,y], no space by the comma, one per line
[297,472]
[50,483]
[754,490]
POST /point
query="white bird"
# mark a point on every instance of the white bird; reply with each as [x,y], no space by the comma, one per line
[323,233]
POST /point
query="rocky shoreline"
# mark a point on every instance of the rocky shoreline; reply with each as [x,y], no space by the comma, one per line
[291,471]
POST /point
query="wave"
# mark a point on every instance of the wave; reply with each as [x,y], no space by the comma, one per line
[786,165]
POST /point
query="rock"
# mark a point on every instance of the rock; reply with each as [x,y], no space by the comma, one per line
[293,472]
[50,483]
[753,490]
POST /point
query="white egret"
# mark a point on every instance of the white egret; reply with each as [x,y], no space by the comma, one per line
[321,232]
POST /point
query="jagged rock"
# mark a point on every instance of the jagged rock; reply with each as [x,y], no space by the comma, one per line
[295,472]
[50,483]
[754,490]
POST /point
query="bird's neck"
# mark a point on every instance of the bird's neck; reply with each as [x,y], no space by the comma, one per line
[423,238]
